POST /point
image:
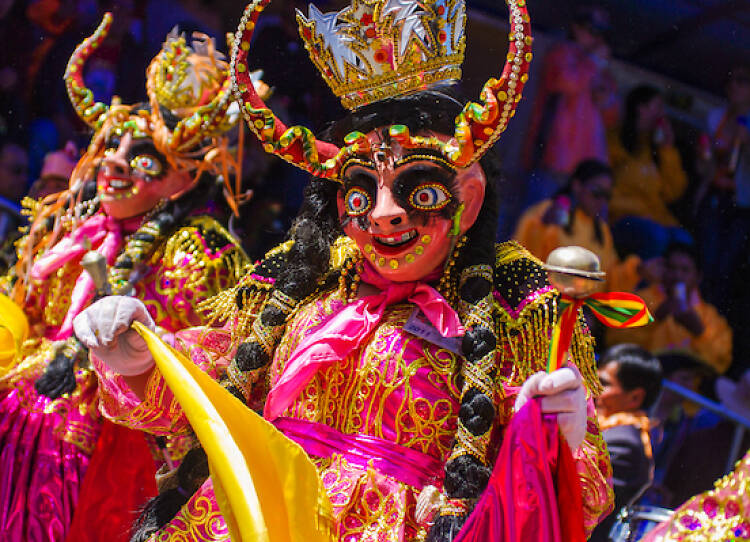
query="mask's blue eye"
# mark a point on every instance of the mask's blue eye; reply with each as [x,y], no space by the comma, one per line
[358,202]
[429,197]
[146,164]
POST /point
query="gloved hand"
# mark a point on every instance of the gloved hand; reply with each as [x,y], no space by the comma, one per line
[563,394]
[104,327]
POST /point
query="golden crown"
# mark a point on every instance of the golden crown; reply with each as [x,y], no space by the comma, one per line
[187,77]
[375,49]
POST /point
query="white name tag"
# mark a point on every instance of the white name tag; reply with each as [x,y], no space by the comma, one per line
[419,325]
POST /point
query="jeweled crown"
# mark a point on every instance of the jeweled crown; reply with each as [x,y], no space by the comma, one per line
[186,77]
[375,49]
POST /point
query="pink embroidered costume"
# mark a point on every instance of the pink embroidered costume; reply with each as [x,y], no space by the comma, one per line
[389,337]
[131,200]
[720,514]
[379,423]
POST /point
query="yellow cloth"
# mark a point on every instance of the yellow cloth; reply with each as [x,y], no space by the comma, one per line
[14,330]
[714,345]
[540,239]
[643,188]
[266,485]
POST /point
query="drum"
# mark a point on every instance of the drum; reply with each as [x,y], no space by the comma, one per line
[634,522]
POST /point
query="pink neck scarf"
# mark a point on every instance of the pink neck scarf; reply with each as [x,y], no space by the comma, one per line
[105,235]
[344,331]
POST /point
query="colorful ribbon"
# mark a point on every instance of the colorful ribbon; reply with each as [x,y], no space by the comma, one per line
[618,310]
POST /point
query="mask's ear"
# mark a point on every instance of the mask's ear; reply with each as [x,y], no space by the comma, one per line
[472,184]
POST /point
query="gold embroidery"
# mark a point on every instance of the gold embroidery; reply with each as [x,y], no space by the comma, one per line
[358,393]
[190,271]
[200,520]
[524,335]
[719,514]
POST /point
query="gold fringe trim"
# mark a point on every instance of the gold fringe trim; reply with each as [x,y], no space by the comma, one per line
[223,306]
[525,339]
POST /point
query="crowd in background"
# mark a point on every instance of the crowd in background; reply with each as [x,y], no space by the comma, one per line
[604,171]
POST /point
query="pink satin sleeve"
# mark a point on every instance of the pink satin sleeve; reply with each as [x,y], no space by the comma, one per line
[159,413]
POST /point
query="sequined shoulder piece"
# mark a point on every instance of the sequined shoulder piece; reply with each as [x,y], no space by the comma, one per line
[526,307]
[520,279]
[720,514]
[202,241]
[241,302]
[199,260]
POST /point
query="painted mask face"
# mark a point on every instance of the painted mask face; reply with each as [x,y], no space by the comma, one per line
[400,207]
[134,177]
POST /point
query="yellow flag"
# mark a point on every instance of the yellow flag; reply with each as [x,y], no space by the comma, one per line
[14,329]
[267,487]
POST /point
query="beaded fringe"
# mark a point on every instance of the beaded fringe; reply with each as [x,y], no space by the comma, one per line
[527,341]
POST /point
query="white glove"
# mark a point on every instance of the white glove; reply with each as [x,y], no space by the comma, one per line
[104,327]
[563,394]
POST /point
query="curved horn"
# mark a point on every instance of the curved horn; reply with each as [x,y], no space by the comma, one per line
[297,145]
[479,126]
[80,96]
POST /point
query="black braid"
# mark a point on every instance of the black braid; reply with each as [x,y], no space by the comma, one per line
[157,512]
[466,475]
[313,232]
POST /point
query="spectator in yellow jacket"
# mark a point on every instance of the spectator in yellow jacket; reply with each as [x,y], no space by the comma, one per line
[648,176]
[683,320]
[578,216]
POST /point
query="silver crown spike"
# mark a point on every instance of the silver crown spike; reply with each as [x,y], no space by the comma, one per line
[334,36]
[413,19]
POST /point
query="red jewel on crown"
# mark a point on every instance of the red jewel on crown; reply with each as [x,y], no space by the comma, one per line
[374,49]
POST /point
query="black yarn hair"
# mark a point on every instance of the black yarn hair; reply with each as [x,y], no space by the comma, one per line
[307,270]
[637,97]
[157,512]
[636,368]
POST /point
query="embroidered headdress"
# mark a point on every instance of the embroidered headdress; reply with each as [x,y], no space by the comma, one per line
[189,80]
[189,111]
[376,49]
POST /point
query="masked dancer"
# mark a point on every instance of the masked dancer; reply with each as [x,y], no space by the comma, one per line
[390,337]
[143,196]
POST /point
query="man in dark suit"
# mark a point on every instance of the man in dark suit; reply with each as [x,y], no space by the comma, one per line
[631,378]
